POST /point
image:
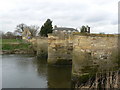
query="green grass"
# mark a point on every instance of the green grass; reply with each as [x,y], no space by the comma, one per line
[12,44]
[9,41]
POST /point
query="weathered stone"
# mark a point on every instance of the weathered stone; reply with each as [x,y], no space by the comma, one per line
[60,49]
[88,50]
[41,47]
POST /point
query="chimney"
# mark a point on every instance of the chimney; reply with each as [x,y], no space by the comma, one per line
[88,29]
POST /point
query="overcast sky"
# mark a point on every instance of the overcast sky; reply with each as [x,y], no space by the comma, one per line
[100,15]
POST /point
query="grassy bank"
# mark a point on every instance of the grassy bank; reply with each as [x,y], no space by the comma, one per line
[10,41]
[12,44]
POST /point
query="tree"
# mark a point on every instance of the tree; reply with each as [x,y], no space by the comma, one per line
[85,29]
[33,30]
[20,28]
[42,31]
[2,34]
[46,28]
[9,35]
[101,33]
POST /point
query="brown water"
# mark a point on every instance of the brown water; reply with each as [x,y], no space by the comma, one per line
[25,71]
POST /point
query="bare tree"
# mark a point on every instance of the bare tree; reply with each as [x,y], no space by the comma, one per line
[33,30]
[8,35]
[20,28]
[1,34]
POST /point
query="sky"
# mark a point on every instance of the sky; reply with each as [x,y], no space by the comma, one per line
[100,15]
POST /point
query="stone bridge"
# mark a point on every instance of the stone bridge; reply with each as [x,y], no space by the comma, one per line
[88,54]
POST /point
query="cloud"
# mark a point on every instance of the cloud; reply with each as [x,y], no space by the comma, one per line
[100,15]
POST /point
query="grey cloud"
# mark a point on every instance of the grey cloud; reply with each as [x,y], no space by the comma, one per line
[63,13]
[114,22]
[96,19]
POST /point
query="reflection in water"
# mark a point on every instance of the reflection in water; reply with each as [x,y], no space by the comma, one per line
[41,67]
[18,71]
[24,71]
[59,77]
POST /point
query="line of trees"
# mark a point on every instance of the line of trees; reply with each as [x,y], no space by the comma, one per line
[45,29]
[9,35]
[21,27]
[34,29]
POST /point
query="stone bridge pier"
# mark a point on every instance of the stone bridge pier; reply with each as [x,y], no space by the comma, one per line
[60,49]
[93,52]
[42,47]
[94,57]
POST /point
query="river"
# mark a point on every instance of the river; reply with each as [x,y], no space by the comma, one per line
[26,71]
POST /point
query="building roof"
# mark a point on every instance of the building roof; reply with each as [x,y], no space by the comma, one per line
[65,28]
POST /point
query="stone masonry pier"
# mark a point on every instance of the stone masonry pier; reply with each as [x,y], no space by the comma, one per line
[93,52]
[60,49]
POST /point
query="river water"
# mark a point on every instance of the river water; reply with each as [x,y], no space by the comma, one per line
[25,71]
